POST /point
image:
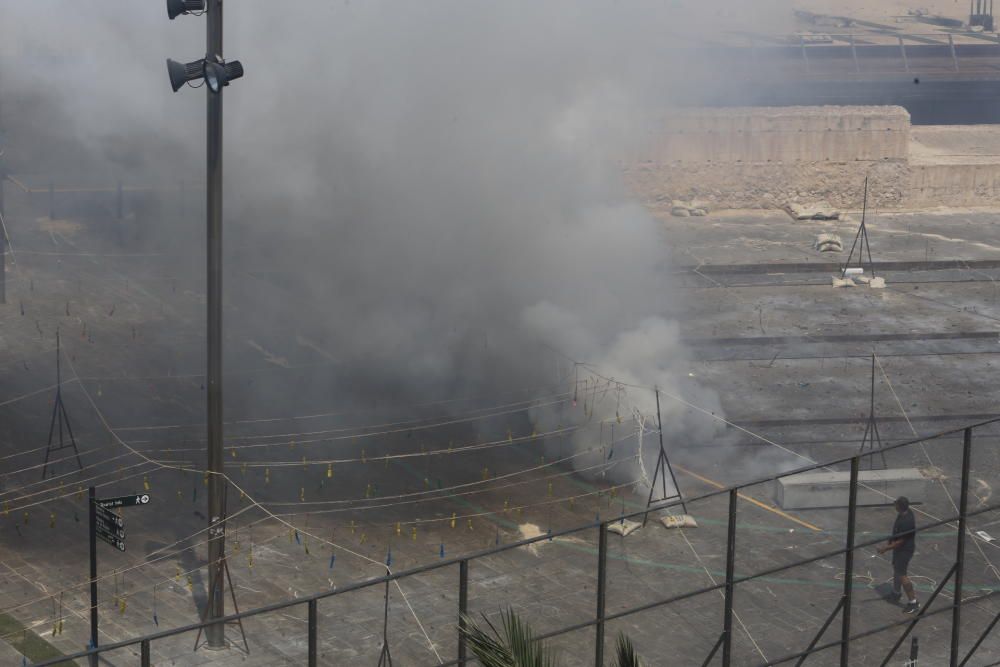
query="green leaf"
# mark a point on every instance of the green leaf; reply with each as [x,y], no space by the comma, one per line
[512,645]
[625,655]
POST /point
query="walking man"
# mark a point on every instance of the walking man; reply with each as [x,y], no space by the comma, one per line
[902,544]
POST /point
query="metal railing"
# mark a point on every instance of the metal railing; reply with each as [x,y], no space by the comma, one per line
[723,645]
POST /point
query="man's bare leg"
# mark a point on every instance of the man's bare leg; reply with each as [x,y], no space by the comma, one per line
[908,588]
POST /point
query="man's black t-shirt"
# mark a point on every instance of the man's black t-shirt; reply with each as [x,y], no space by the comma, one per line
[904,528]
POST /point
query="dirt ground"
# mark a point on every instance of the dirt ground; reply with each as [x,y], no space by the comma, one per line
[884,11]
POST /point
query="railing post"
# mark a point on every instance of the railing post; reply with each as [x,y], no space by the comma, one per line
[312,632]
[602,578]
[902,49]
[463,608]
[963,506]
[845,618]
[954,57]
[144,653]
[727,619]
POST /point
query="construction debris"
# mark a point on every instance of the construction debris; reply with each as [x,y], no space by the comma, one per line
[820,210]
[828,243]
[846,281]
[877,283]
[682,209]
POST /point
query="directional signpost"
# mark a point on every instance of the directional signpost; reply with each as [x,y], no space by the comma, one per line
[108,527]
[125,501]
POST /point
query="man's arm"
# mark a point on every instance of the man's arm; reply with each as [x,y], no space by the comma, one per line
[890,546]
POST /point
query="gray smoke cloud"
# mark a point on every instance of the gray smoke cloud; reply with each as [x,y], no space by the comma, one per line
[438,184]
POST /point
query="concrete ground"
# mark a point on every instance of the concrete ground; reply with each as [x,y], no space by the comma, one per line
[788,355]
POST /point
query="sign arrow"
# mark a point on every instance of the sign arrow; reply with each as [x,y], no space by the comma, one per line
[109,517]
[105,530]
[124,501]
[113,541]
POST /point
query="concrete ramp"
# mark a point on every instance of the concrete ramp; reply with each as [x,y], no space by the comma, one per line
[831,489]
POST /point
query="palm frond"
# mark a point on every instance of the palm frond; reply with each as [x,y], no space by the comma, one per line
[625,655]
[512,645]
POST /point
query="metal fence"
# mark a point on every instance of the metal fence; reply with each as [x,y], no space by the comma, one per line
[960,651]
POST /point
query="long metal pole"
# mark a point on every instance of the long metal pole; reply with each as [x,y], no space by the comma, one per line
[666,461]
[216,488]
[602,583]
[463,609]
[852,512]
[313,613]
[92,513]
[727,618]
[963,507]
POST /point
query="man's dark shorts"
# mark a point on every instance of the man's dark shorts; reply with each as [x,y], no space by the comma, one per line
[900,562]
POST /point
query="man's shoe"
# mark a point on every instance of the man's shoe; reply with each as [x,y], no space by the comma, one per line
[912,608]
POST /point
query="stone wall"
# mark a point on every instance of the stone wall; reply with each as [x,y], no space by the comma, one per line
[780,134]
[773,185]
[953,185]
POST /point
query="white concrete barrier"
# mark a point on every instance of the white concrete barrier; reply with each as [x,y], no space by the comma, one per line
[831,489]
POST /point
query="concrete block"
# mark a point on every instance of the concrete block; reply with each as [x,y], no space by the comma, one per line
[831,489]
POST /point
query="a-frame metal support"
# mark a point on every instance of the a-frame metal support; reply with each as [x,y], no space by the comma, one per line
[663,468]
[872,439]
[385,658]
[59,415]
[223,568]
[861,241]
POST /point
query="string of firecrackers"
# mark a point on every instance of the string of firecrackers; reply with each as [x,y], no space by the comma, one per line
[411,424]
[5,507]
[60,477]
[329,471]
[398,526]
[414,425]
[120,600]
[605,465]
[329,462]
[494,488]
[505,441]
[358,436]
[148,560]
[368,494]
[526,405]
[440,493]
[453,522]
[259,420]
[159,464]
